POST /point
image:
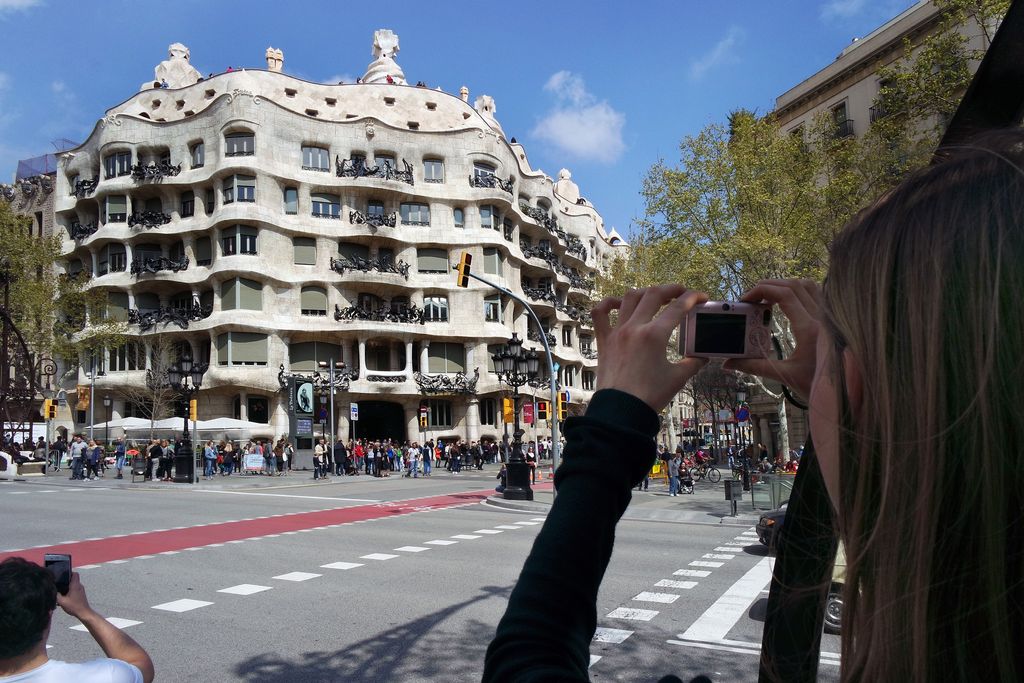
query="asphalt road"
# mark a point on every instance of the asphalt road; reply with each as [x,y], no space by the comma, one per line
[374,580]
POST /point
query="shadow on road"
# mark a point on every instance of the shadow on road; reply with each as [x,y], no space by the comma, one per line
[410,652]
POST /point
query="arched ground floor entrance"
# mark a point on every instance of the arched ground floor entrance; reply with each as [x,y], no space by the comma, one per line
[379,420]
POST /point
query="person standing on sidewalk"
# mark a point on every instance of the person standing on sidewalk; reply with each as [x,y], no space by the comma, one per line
[673,475]
[119,451]
[340,455]
[77,457]
[209,459]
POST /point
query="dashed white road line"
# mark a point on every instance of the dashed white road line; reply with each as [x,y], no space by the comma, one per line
[245,589]
[411,549]
[696,573]
[507,526]
[632,614]
[718,620]
[611,635]
[378,556]
[489,532]
[114,621]
[341,565]
[465,537]
[702,563]
[183,605]
[648,596]
[440,542]
[669,583]
[717,556]
[296,576]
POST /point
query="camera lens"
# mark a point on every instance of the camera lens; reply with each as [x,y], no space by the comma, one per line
[725,307]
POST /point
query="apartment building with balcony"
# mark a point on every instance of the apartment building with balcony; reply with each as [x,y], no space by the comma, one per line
[271,225]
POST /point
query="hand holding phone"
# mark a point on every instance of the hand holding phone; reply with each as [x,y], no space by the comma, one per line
[60,566]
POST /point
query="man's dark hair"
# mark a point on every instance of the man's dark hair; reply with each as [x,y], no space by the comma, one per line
[27,597]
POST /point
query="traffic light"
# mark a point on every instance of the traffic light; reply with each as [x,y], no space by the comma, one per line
[563,404]
[542,410]
[424,413]
[507,411]
[49,409]
[423,421]
[462,280]
[193,410]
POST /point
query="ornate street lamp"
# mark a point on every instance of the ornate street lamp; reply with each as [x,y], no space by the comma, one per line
[185,377]
[741,398]
[516,369]
[331,367]
[106,437]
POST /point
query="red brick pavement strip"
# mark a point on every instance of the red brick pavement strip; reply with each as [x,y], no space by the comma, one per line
[133,545]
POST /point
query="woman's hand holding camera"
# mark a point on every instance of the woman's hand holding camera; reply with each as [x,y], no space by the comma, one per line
[632,353]
[800,301]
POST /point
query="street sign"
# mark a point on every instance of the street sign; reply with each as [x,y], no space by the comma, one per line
[354,412]
[528,413]
[323,415]
[743,414]
[724,414]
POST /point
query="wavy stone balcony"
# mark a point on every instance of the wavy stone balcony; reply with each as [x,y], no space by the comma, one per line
[411,314]
[366,265]
[321,381]
[164,315]
[357,168]
[156,264]
[84,188]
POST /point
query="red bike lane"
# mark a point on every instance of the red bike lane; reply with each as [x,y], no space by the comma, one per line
[155,542]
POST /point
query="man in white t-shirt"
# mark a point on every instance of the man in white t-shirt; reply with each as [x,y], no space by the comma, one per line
[28,598]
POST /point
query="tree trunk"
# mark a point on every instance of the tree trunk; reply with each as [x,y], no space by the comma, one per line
[784,445]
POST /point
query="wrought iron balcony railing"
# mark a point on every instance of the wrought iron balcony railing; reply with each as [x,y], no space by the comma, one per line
[154,171]
[392,379]
[381,265]
[541,294]
[575,246]
[357,168]
[534,335]
[376,220]
[84,188]
[411,314]
[155,264]
[490,180]
[321,381]
[148,219]
[450,384]
[164,315]
[550,223]
[79,231]
[843,129]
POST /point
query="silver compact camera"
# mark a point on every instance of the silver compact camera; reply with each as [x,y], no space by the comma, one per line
[726,329]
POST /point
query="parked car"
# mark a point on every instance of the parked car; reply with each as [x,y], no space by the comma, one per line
[834,601]
[769,524]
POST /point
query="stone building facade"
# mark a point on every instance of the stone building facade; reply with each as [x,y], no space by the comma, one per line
[271,225]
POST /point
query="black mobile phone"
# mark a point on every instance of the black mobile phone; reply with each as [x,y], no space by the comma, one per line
[60,566]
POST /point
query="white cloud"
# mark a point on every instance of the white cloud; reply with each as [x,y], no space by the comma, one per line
[841,9]
[579,124]
[723,52]
[15,5]
[339,78]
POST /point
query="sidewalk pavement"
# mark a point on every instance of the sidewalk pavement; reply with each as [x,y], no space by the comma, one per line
[248,481]
[707,505]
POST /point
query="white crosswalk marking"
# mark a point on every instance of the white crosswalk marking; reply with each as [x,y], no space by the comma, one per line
[244,589]
[183,605]
[411,549]
[465,537]
[696,573]
[719,619]
[341,565]
[717,556]
[647,596]
[487,531]
[611,635]
[669,583]
[527,523]
[378,556]
[440,542]
[701,563]
[632,614]
[297,576]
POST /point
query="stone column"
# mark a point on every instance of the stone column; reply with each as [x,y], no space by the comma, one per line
[424,356]
[473,419]
[408,359]
[190,249]
[95,261]
[243,405]
[470,355]
[346,353]
[362,357]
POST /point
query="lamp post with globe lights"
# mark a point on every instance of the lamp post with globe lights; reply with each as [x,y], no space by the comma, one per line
[516,369]
[186,377]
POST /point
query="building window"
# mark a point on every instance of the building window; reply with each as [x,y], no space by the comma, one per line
[291,201]
[482,171]
[117,164]
[589,380]
[316,159]
[204,251]
[240,293]
[117,208]
[435,308]
[566,336]
[432,260]
[305,251]
[508,228]
[460,218]
[569,375]
[326,205]
[117,306]
[123,358]
[238,239]
[313,301]
[433,171]
[241,348]
[493,349]
[188,204]
[208,201]
[198,154]
[239,145]
[307,356]
[492,308]
[386,160]
[353,252]
[239,187]
[489,412]
[586,344]
[117,258]
[374,208]
[492,261]
[446,357]
[440,413]
[415,214]
[489,217]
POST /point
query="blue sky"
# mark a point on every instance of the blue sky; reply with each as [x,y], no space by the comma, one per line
[602,88]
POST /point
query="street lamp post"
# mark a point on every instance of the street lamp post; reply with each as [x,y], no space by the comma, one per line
[186,377]
[516,369]
[331,367]
[106,436]
[741,398]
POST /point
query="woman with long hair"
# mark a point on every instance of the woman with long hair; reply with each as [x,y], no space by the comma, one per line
[911,357]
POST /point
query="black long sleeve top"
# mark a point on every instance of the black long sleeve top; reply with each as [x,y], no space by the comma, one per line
[608,451]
